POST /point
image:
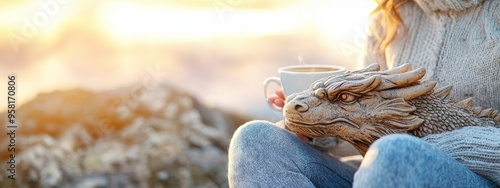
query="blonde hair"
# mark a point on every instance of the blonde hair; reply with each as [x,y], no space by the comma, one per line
[389,23]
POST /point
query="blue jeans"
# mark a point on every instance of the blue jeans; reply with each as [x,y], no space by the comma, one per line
[264,155]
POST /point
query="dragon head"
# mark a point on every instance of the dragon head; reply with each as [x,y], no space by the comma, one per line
[359,106]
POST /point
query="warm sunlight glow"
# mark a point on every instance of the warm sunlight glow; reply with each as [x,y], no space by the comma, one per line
[128,21]
[56,44]
[134,21]
[345,20]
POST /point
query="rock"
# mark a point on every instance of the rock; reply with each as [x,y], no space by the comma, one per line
[137,137]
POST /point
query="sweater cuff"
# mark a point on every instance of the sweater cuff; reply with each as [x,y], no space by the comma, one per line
[477,148]
[446,5]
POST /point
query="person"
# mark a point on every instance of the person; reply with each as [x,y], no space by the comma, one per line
[458,42]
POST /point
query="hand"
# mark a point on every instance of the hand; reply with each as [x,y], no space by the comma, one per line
[302,137]
[278,99]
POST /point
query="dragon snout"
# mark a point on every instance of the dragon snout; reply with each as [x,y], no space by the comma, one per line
[296,103]
[297,106]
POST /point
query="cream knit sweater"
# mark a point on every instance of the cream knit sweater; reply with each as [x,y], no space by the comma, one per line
[458,42]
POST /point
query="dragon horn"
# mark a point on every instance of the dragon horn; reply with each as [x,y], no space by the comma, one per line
[409,93]
[397,70]
[442,92]
[465,104]
[401,80]
[369,68]
[358,86]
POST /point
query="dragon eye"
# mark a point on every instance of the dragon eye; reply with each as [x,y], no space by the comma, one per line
[346,97]
[320,93]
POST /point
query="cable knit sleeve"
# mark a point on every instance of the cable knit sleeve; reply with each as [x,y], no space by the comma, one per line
[446,5]
[478,148]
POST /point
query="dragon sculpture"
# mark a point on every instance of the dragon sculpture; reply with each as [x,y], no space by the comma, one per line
[362,106]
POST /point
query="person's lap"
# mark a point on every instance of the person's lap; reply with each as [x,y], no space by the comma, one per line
[407,161]
[264,155]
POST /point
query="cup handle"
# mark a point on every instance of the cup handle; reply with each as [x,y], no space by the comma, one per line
[266,89]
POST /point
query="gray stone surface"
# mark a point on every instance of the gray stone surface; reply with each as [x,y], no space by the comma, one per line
[132,137]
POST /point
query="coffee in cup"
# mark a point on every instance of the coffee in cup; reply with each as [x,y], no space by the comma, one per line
[298,78]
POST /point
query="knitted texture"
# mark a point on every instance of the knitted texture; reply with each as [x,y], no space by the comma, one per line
[458,48]
[475,147]
[458,42]
[446,5]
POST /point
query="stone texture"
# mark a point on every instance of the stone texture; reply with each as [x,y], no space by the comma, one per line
[152,136]
[362,106]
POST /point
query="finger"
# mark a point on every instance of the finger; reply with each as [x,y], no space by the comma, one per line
[279,102]
[280,94]
[302,137]
[271,99]
[276,101]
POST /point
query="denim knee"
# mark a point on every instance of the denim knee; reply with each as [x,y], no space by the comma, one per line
[391,159]
[393,148]
[407,161]
[255,134]
[398,144]
[253,130]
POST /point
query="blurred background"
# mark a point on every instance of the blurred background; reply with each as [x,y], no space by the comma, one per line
[100,74]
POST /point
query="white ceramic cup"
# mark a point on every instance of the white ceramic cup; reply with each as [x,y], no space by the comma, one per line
[298,78]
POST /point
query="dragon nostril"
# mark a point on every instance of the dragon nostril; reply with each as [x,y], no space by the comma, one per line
[301,107]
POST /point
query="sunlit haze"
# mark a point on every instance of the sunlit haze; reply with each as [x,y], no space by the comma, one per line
[221,47]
